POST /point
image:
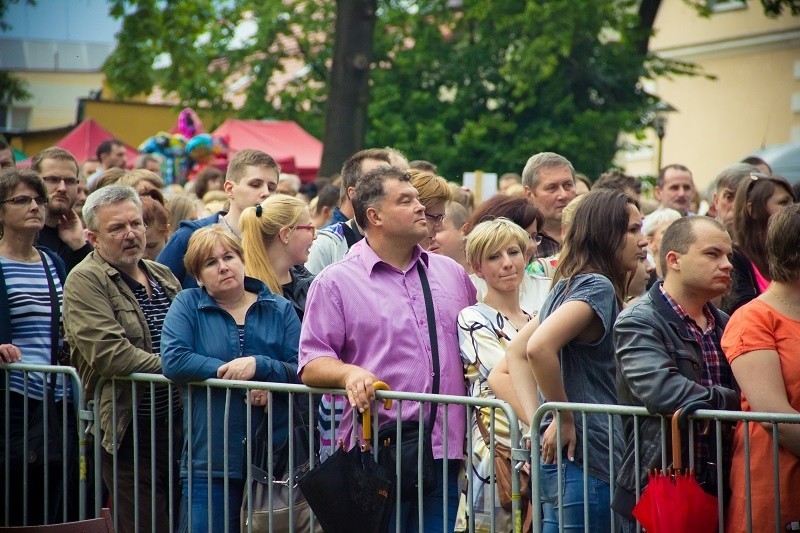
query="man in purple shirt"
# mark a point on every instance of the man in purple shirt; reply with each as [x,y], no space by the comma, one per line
[366,321]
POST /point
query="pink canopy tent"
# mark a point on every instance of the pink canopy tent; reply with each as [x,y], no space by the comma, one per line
[295,150]
[83,140]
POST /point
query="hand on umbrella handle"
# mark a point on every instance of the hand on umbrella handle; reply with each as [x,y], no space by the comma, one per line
[366,422]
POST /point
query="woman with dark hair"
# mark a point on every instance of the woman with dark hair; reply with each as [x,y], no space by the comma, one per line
[567,355]
[525,215]
[31,289]
[515,208]
[757,199]
[208,179]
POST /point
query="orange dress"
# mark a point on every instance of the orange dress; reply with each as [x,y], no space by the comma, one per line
[757,326]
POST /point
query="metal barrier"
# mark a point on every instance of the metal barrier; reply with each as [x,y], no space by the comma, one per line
[227,392]
[63,469]
[713,417]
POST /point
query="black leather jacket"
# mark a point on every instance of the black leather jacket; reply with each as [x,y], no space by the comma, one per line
[297,290]
[659,366]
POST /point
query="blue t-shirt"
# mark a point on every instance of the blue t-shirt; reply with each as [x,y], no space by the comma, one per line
[587,369]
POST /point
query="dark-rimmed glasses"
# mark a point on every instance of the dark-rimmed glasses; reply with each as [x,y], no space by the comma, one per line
[536,238]
[24,201]
[435,219]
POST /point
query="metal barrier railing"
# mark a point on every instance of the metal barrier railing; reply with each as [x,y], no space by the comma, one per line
[224,390]
[19,407]
[717,418]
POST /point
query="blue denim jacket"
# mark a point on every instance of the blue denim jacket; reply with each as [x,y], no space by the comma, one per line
[198,337]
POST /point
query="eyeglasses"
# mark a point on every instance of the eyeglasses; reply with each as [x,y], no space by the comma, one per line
[536,238]
[24,201]
[55,181]
[137,228]
[435,219]
[312,229]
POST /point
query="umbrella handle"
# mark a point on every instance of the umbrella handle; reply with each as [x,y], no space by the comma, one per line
[679,421]
[366,422]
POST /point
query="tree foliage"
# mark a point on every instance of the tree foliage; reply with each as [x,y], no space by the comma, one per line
[12,89]
[482,85]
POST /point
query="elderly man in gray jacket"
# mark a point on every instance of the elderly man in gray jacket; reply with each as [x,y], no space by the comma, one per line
[668,350]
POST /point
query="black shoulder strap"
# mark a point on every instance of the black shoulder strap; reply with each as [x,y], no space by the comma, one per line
[431,316]
[55,316]
[351,233]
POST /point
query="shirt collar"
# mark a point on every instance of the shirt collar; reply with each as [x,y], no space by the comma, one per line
[685,317]
[370,259]
[131,282]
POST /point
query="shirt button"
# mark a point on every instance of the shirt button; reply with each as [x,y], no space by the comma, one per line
[433,374]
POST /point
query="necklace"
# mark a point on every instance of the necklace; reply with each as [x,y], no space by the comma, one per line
[784,302]
[229,227]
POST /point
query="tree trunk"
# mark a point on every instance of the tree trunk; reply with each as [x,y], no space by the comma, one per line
[348,90]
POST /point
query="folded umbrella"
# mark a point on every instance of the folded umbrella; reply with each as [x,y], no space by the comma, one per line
[674,501]
[350,491]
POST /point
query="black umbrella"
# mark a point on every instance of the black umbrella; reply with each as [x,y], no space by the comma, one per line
[350,491]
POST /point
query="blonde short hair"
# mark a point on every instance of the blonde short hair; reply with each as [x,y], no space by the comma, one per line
[201,246]
[488,237]
[568,213]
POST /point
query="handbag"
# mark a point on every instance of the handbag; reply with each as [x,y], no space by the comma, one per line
[502,469]
[285,502]
[409,430]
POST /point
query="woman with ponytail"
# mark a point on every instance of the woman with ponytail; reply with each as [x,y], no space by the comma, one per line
[276,237]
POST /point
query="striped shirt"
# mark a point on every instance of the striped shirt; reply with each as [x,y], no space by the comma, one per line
[30,308]
[155,308]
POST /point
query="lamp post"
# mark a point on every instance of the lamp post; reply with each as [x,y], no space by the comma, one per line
[659,124]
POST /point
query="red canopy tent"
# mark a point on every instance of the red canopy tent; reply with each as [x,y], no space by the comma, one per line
[295,150]
[83,140]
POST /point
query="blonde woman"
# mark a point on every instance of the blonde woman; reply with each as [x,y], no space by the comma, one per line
[434,194]
[276,237]
[496,250]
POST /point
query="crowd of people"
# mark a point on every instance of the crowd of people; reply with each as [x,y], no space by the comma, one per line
[556,289]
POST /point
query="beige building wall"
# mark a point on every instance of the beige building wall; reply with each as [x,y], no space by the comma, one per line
[753,102]
[55,95]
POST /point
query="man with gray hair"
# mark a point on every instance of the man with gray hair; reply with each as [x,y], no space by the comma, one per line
[549,182]
[726,184]
[114,307]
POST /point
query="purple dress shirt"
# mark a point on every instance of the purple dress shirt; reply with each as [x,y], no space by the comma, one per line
[365,312]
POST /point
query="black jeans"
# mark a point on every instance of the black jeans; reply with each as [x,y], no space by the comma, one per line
[26,501]
[154,499]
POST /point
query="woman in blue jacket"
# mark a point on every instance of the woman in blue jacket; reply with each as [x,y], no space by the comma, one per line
[231,327]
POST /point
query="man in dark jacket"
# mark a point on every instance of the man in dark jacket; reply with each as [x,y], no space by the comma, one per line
[668,350]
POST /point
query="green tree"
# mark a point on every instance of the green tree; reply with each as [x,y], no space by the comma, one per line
[12,89]
[464,83]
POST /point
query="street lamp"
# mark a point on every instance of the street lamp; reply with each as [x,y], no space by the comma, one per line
[659,124]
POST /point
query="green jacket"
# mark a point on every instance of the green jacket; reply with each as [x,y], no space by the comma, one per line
[108,334]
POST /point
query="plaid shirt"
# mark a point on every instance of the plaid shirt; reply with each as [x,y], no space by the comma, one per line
[716,371]
[547,248]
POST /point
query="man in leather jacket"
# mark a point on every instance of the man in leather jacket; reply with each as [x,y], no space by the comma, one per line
[668,349]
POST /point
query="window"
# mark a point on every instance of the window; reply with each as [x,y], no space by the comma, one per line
[14,117]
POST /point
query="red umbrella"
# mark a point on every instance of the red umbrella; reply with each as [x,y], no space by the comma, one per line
[673,501]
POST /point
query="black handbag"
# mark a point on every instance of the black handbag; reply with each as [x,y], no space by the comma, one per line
[409,444]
